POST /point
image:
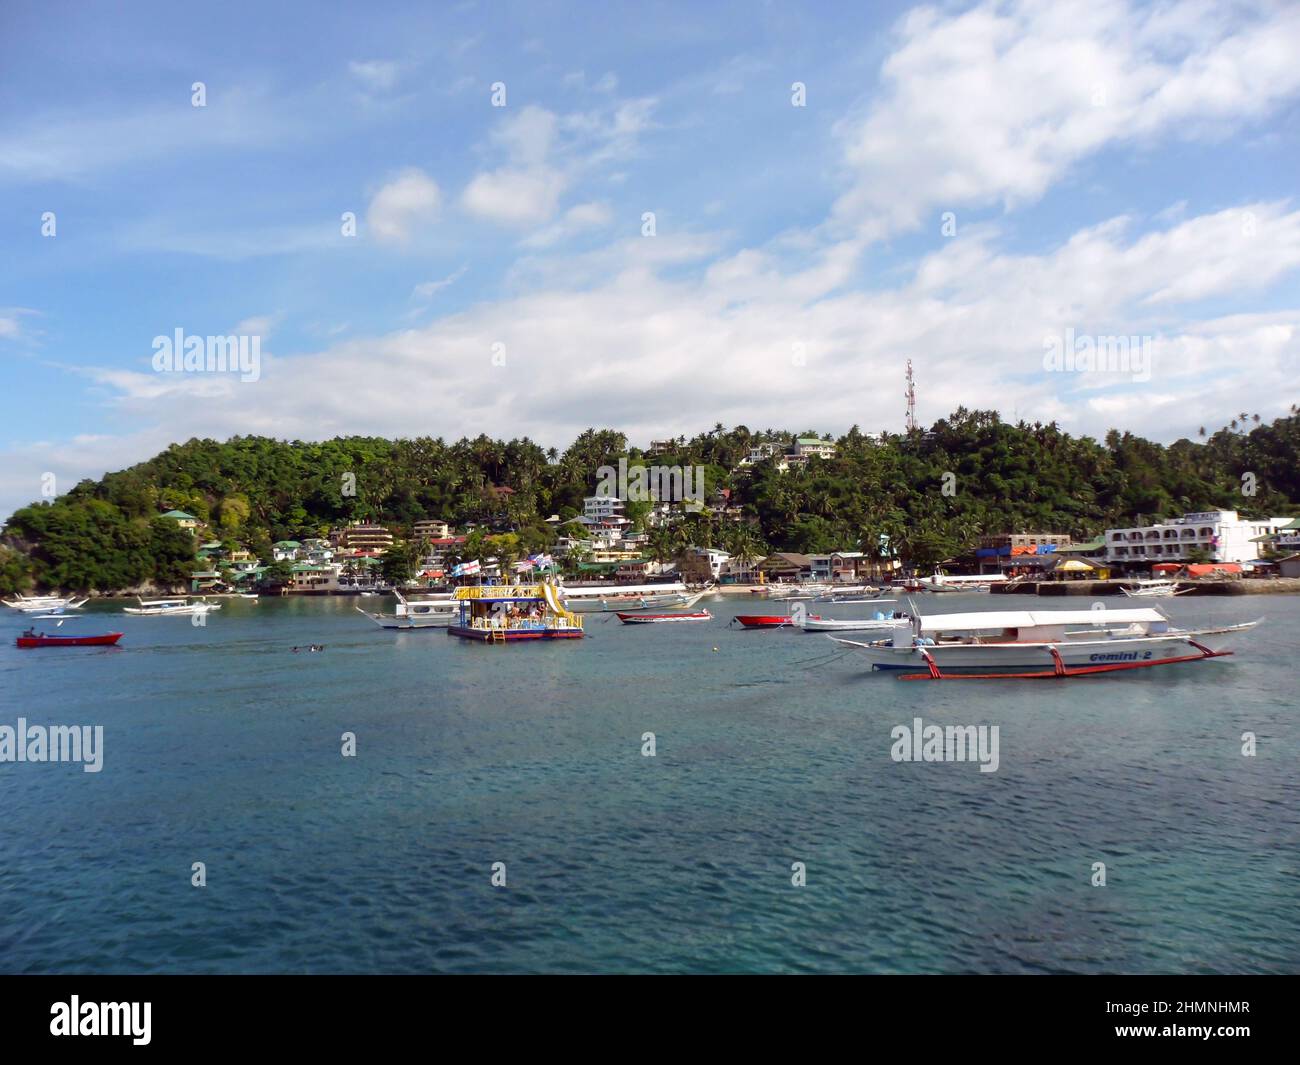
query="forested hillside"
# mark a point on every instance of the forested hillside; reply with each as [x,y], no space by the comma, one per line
[252,491]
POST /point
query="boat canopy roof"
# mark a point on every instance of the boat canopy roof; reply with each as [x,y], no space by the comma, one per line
[609,590]
[1028,619]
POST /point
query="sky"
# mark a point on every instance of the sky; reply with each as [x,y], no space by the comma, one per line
[652,217]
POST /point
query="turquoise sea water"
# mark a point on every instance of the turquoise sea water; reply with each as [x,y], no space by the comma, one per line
[222,746]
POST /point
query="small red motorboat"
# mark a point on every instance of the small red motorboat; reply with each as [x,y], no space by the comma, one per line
[31,638]
[654,619]
[768,621]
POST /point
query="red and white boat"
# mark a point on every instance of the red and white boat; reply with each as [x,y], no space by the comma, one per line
[32,638]
[769,621]
[1008,644]
[655,619]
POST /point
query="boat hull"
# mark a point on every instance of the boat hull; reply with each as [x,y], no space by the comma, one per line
[765,621]
[512,635]
[107,639]
[846,625]
[415,623]
[615,604]
[656,619]
[1075,653]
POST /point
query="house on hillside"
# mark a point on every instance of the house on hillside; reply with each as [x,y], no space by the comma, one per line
[186,521]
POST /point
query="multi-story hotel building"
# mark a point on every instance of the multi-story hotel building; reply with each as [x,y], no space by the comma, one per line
[1220,534]
[362,537]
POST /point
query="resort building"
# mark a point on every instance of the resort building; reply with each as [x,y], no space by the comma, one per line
[285,551]
[1216,535]
[1020,554]
[602,509]
[430,529]
[372,539]
[807,447]
[611,554]
[1286,538]
[1024,539]
[306,577]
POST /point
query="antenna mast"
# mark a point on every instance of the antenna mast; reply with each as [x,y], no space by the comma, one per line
[911,398]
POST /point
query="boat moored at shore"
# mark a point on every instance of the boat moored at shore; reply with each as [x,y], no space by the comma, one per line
[1042,643]
[169,608]
[1153,589]
[579,600]
[656,619]
[36,604]
[429,612]
[971,582]
[768,621]
[512,613]
[880,622]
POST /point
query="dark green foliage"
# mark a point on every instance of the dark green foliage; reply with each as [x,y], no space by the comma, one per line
[1004,478]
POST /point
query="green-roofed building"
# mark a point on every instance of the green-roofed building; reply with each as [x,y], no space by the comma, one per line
[184,520]
[813,447]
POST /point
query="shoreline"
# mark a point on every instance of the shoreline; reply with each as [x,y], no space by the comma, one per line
[1048,589]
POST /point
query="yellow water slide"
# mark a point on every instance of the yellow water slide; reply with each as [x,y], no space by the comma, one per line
[557,607]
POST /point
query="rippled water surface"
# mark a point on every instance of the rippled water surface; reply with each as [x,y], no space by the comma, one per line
[223,746]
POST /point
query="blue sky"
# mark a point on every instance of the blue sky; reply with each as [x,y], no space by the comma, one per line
[1108,168]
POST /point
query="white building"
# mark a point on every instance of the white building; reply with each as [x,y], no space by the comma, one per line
[602,509]
[1220,534]
[430,529]
[758,453]
[702,563]
[807,447]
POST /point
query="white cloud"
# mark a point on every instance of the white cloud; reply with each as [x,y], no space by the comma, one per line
[548,155]
[972,318]
[11,325]
[995,104]
[259,325]
[399,207]
[514,197]
[581,218]
[428,289]
[377,75]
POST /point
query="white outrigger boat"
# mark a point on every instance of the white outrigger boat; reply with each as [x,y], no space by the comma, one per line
[882,622]
[169,608]
[1153,589]
[629,597]
[35,604]
[862,594]
[1041,643]
[430,612]
[974,582]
